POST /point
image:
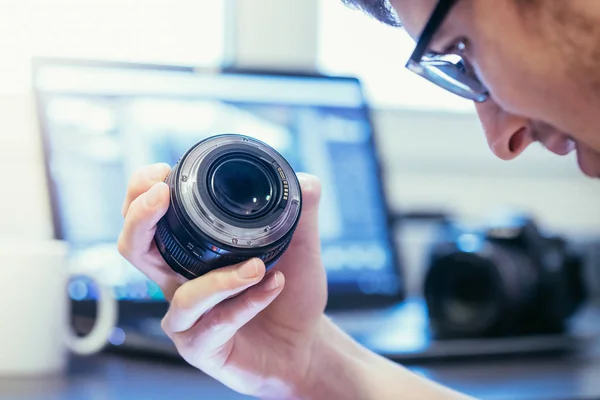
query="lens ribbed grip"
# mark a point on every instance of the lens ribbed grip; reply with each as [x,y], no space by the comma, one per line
[187,265]
[268,257]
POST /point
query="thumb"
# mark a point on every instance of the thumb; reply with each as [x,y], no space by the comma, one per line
[305,247]
[301,263]
[307,231]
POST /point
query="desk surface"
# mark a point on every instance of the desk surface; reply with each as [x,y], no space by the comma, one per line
[117,377]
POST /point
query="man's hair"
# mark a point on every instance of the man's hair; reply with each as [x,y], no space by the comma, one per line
[379,9]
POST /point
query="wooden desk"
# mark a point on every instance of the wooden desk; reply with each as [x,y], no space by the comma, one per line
[118,377]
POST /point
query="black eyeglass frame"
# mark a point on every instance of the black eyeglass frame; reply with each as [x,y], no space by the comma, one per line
[451,66]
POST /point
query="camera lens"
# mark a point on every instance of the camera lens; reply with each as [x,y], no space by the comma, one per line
[478,294]
[242,187]
[232,198]
[462,294]
[470,294]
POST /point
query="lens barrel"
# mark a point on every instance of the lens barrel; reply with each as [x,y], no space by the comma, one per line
[480,294]
[233,198]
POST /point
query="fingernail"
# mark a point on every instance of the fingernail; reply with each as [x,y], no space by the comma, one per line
[152,196]
[157,172]
[272,282]
[306,181]
[249,270]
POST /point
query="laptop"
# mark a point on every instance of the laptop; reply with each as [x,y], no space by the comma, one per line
[100,121]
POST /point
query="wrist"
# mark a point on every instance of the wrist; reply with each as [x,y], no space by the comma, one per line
[337,367]
[341,368]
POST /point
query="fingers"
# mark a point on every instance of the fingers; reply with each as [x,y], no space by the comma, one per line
[142,180]
[221,323]
[301,263]
[146,201]
[308,226]
[196,297]
[306,239]
[140,222]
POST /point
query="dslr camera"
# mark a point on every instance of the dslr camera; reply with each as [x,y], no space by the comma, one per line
[503,279]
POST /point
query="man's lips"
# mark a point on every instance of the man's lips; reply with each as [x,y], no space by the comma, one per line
[586,166]
[559,145]
[562,144]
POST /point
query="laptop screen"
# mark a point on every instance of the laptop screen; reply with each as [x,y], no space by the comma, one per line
[102,121]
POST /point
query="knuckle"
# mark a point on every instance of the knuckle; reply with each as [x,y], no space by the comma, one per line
[134,213]
[198,339]
[139,181]
[246,304]
[191,341]
[135,181]
[139,173]
[122,246]
[164,325]
[164,170]
[215,321]
[182,302]
[224,281]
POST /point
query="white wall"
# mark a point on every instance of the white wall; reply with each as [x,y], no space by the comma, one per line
[431,159]
[24,209]
[143,30]
[442,160]
[275,33]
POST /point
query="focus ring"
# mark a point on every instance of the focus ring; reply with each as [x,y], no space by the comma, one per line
[274,255]
[170,248]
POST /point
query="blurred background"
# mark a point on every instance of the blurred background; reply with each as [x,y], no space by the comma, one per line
[434,159]
[432,148]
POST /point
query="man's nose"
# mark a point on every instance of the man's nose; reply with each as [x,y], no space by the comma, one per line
[508,135]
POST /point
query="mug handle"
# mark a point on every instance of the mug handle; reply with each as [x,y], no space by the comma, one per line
[106,321]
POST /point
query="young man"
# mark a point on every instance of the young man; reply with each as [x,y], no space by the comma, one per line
[531,66]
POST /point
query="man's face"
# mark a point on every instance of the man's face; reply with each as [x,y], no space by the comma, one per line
[540,61]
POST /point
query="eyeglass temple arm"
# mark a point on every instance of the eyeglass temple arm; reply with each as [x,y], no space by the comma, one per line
[435,20]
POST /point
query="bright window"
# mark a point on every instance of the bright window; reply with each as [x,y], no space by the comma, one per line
[352,43]
[155,31]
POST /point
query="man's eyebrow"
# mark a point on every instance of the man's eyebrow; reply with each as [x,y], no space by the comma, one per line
[378,9]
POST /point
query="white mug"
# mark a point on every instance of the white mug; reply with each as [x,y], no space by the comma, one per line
[35,334]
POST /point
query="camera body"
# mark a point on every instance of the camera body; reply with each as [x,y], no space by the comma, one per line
[505,279]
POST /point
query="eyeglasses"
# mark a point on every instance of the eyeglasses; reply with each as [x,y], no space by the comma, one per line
[448,71]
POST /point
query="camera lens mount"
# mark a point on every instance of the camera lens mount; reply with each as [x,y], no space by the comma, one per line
[232,198]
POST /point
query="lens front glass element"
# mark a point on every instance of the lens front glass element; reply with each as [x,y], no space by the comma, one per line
[466,293]
[242,187]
